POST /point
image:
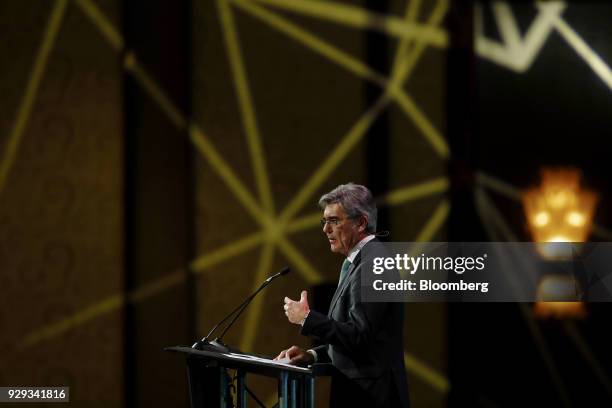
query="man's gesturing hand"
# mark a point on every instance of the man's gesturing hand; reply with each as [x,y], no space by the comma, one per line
[296,356]
[297,311]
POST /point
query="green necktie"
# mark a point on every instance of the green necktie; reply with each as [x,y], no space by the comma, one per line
[345,267]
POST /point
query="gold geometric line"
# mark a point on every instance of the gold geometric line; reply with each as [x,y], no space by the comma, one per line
[596,63]
[404,65]
[432,135]
[354,135]
[362,18]
[331,52]
[410,16]
[435,222]
[493,222]
[313,42]
[546,354]
[23,113]
[428,374]
[201,142]
[348,141]
[148,84]
[310,274]
[515,53]
[252,317]
[218,255]
[49,331]
[198,138]
[485,213]
[401,70]
[130,62]
[204,146]
[485,204]
[489,212]
[503,226]
[414,192]
[143,292]
[429,229]
[157,286]
[398,196]
[587,354]
[106,28]
[303,223]
[508,31]
[500,187]
[247,108]
[108,305]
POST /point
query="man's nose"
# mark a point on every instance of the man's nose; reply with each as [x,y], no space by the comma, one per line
[326,228]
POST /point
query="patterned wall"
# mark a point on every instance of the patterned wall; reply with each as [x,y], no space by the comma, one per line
[60,201]
[279,92]
[279,117]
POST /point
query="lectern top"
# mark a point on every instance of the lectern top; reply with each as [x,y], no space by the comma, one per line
[247,362]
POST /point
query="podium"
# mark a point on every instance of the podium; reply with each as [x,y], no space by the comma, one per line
[209,381]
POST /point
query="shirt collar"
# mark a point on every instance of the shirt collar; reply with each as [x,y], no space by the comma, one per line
[355,250]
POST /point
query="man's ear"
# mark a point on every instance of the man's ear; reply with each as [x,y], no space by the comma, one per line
[363,223]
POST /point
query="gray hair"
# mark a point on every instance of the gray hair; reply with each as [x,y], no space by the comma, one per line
[356,200]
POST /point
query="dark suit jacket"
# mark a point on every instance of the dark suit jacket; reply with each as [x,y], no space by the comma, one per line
[364,341]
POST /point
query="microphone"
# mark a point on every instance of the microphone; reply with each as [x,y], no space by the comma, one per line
[282,272]
[217,344]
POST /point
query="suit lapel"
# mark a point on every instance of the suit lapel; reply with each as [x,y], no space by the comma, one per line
[344,284]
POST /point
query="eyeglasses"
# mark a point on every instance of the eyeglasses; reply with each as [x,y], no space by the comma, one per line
[332,221]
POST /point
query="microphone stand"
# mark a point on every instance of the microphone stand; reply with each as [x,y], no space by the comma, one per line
[217,344]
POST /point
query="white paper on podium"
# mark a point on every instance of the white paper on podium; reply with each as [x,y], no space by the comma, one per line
[281,363]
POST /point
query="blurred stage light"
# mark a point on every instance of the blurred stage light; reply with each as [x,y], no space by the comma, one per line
[559,211]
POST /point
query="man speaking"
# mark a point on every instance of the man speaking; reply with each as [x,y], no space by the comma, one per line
[364,341]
